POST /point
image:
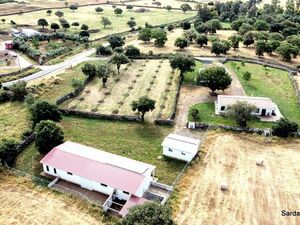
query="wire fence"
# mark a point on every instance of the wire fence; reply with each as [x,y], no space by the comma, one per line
[56,187]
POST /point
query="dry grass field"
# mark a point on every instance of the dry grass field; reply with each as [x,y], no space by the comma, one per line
[24,203]
[256,194]
[196,50]
[154,78]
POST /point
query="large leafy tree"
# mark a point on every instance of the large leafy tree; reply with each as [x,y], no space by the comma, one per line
[99,10]
[215,78]
[235,41]
[43,23]
[260,48]
[145,34]
[73,7]
[149,213]
[115,41]
[103,72]
[59,14]
[160,37]
[105,21]
[241,111]
[132,51]
[182,62]
[201,40]
[54,26]
[89,70]
[284,128]
[142,105]
[119,59]
[43,110]
[19,91]
[181,43]
[118,11]
[220,47]
[287,51]
[185,7]
[47,136]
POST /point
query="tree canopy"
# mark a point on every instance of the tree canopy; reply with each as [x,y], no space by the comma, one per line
[47,136]
[182,62]
[142,105]
[149,213]
[215,78]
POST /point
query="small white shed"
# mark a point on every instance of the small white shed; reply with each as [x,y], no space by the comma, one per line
[180,147]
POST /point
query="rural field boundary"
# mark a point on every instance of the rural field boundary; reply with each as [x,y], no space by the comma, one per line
[16,72]
[44,183]
[260,131]
[291,70]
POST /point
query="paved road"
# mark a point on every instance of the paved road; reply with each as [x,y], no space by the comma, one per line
[46,70]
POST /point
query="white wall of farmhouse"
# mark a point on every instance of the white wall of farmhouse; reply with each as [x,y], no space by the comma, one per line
[94,186]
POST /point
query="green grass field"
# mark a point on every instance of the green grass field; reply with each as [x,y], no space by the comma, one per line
[190,78]
[14,120]
[272,83]
[207,115]
[87,15]
[133,140]
[52,90]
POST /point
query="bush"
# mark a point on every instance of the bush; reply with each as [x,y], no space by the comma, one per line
[284,128]
[43,110]
[102,50]
[8,152]
[195,113]
[170,27]
[5,96]
[150,213]
[19,91]
[47,136]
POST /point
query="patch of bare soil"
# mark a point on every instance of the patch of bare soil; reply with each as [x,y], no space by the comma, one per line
[256,195]
[24,203]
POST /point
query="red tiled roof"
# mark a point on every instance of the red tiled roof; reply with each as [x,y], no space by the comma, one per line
[133,201]
[110,175]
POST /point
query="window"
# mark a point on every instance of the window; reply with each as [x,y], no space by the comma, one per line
[70,173]
[170,150]
[182,153]
[125,192]
[54,170]
[222,108]
[47,168]
[104,185]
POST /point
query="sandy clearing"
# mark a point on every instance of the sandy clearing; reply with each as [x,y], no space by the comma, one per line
[24,203]
[256,195]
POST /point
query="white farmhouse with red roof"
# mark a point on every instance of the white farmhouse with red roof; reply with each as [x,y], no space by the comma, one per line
[100,171]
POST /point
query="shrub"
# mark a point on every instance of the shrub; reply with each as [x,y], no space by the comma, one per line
[19,91]
[47,136]
[5,96]
[43,110]
[195,113]
[284,128]
[103,50]
[8,152]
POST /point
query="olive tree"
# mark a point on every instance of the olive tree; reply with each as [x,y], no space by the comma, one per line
[142,105]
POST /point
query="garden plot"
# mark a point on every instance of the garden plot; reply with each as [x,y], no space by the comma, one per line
[154,78]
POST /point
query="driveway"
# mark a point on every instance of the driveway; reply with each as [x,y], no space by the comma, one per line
[191,95]
[46,70]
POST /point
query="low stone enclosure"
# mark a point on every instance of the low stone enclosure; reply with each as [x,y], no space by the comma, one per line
[153,78]
[16,72]
[158,119]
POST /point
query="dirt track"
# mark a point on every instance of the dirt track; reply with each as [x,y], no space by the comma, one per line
[23,203]
[256,195]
